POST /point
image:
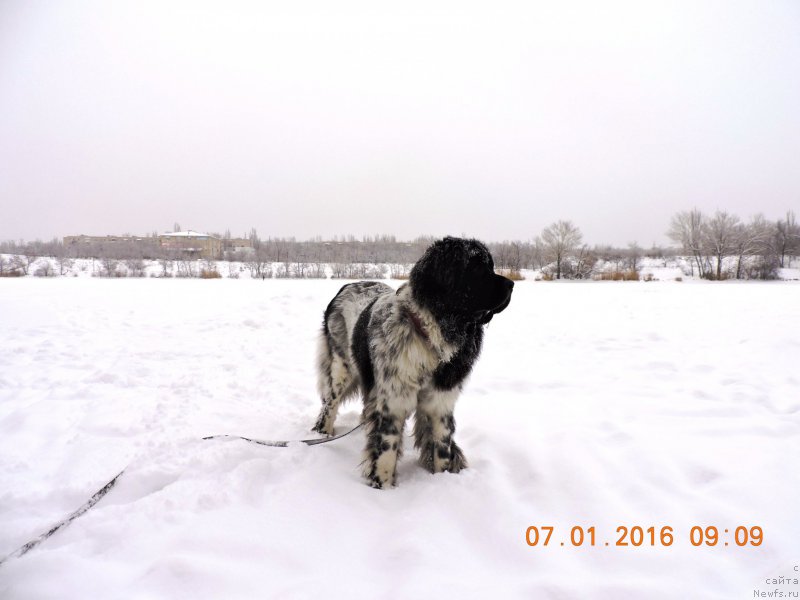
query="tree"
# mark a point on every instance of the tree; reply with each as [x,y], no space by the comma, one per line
[259,264]
[507,255]
[585,260]
[560,239]
[538,259]
[22,263]
[62,259]
[255,241]
[45,269]
[787,238]
[109,264]
[634,255]
[686,228]
[719,237]
[751,240]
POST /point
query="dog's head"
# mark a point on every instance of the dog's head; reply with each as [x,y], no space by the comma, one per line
[455,278]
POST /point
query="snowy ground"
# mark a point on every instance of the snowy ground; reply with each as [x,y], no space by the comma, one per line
[594,404]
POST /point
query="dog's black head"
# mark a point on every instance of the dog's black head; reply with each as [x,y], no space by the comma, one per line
[455,280]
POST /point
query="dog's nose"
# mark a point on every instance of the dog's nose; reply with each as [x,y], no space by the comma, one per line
[509,284]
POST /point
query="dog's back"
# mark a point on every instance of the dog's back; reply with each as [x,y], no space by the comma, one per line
[344,310]
[337,372]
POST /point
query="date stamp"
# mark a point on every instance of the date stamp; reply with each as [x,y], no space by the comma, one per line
[635,536]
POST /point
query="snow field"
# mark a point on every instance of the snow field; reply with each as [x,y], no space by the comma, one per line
[593,404]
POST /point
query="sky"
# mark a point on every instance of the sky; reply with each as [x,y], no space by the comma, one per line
[314,118]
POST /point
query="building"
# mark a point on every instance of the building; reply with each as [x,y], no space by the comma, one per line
[192,244]
[72,240]
[179,244]
[239,245]
[111,245]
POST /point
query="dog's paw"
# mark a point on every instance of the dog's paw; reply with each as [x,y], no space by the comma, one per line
[322,430]
[378,478]
[426,461]
[438,458]
[375,483]
[457,459]
[323,426]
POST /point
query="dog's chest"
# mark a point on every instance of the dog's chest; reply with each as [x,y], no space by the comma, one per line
[410,358]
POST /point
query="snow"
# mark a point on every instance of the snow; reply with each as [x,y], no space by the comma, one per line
[600,404]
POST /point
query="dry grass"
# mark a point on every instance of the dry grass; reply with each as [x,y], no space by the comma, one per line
[210,274]
[512,274]
[619,276]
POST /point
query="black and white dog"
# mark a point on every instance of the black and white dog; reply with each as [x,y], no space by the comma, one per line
[410,350]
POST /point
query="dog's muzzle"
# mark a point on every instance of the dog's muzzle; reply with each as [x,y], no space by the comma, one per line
[484,316]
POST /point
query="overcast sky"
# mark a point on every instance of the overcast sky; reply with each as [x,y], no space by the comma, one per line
[310,118]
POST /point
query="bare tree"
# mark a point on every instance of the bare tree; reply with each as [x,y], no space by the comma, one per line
[751,240]
[167,258]
[63,259]
[317,270]
[585,260]
[339,270]
[135,267]
[787,238]
[634,255]
[515,257]
[44,269]
[499,253]
[399,271]
[686,228]
[560,239]
[719,237]
[186,267]
[507,255]
[109,266]
[255,241]
[22,263]
[259,264]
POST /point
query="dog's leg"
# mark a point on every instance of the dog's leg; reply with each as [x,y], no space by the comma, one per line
[385,422]
[434,427]
[335,383]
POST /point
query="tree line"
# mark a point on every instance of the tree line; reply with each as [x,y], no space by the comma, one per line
[719,246]
[754,249]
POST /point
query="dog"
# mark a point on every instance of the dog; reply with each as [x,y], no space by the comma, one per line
[409,350]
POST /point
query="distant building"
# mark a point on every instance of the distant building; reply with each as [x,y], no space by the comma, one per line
[72,240]
[111,245]
[192,243]
[243,245]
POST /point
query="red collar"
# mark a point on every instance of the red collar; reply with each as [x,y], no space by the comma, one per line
[417,323]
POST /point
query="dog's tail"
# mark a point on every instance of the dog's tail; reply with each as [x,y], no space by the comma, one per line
[324,364]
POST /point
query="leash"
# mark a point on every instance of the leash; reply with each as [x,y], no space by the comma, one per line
[99,494]
[283,444]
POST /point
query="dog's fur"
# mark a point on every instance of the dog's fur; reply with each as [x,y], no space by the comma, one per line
[410,350]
